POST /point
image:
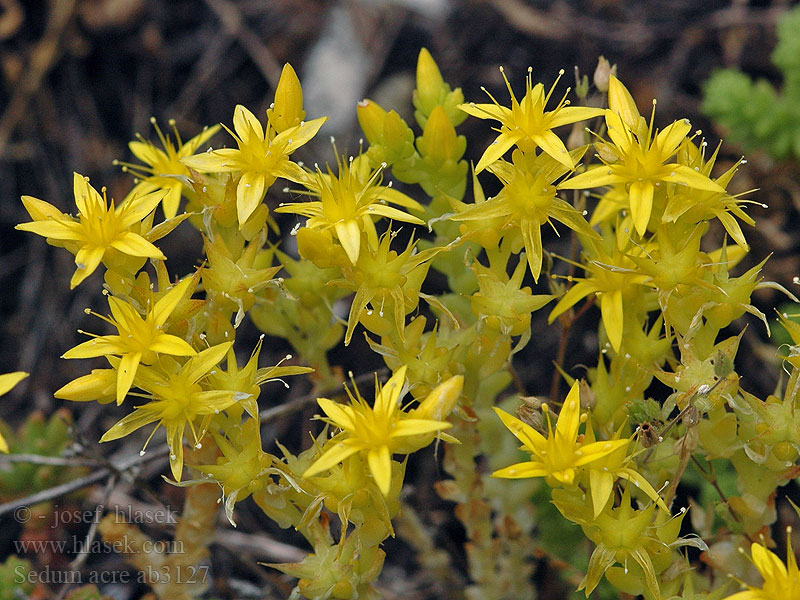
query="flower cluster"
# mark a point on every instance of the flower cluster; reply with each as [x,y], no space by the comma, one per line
[636,199]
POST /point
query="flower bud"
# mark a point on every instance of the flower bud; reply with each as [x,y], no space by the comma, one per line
[603,73]
[442,400]
[431,88]
[439,142]
[287,109]
[371,118]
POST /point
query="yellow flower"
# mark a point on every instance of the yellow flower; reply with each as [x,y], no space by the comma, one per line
[178,400]
[163,169]
[527,201]
[7,382]
[781,582]
[349,202]
[98,229]
[612,279]
[558,456]
[615,465]
[138,339]
[695,206]
[635,157]
[387,280]
[376,432]
[527,124]
[262,157]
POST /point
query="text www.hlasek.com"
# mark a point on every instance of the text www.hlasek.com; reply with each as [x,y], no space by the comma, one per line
[81,546]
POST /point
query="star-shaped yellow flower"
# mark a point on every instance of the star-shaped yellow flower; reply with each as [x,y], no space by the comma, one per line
[350,202]
[262,157]
[138,339]
[163,169]
[558,456]
[637,157]
[527,124]
[178,400]
[98,229]
[376,432]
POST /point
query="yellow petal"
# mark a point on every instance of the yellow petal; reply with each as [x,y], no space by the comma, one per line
[218,161]
[386,400]
[497,149]
[599,176]
[601,483]
[39,210]
[135,245]
[768,564]
[611,311]
[100,386]
[138,418]
[526,434]
[247,126]
[693,179]
[198,366]
[522,471]
[287,109]
[99,346]
[621,102]
[417,426]
[249,194]
[349,236]
[380,465]
[126,373]
[337,413]
[172,344]
[641,198]
[554,147]
[295,137]
[175,443]
[336,452]
[57,230]
[442,399]
[569,419]
[164,307]
[668,140]
[9,380]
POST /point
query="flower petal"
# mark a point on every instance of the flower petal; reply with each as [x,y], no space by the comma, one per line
[249,194]
[522,470]
[611,311]
[9,380]
[337,413]
[336,452]
[417,426]
[349,236]
[641,198]
[526,434]
[569,419]
[135,245]
[380,465]
[497,149]
[172,344]
[130,423]
[552,145]
[126,373]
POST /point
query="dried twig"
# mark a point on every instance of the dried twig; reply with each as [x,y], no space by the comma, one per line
[42,59]
[82,482]
[56,461]
[233,23]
